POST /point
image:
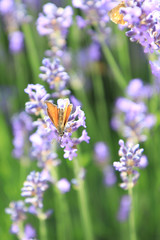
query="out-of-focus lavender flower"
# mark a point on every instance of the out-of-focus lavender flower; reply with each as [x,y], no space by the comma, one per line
[42,147]
[138,91]
[17,210]
[55,22]
[94,52]
[40,142]
[14,14]
[95,12]
[101,153]
[142,18]
[75,121]
[132,120]
[124,209]
[61,94]
[6,6]
[102,156]
[109,176]
[130,160]
[89,55]
[54,74]
[37,95]
[34,4]
[143,161]
[29,232]
[75,102]
[21,14]
[34,188]
[22,126]
[79,178]
[155,68]
[54,19]
[63,185]
[81,22]
[16,41]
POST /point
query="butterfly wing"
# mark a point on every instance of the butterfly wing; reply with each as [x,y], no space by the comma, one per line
[68,112]
[115,16]
[52,111]
[65,111]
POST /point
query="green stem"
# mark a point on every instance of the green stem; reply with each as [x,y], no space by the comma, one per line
[42,229]
[114,67]
[20,234]
[90,115]
[58,209]
[101,106]
[63,219]
[131,217]
[118,76]
[122,50]
[32,51]
[21,75]
[83,205]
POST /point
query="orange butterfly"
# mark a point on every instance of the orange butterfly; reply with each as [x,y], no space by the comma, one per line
[115,16]
[59,116]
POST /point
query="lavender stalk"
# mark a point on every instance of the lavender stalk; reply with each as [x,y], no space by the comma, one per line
[83,204]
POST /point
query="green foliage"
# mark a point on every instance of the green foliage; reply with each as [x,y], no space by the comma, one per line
[107,80]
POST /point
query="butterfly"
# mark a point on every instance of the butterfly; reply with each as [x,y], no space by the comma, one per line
[115,16]
[59,116]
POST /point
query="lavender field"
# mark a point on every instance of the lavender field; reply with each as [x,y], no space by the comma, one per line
[80,120]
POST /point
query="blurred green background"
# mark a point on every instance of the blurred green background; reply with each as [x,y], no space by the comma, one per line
[98,98]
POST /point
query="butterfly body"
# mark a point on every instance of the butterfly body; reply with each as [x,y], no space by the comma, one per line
[61,124]
[59,116]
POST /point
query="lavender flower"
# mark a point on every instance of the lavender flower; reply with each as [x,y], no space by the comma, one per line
[22,126]
[17,210]
[102,156]
[42,147]
[37,95]
[88,55]
[138,91]
[54,74]
[132,120]
[130,160]
[109,176]
[14,14]
[55,22]
[101,153]
[29,232]
[131,116]
[63,185]
[75,121]
[16,41]
[34,188]
[75,102]
[79,178]
[95,12]
[54,19]
[143,161]
[6,6]
[142,18]
[33,4]
[124,209]
[155,68]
